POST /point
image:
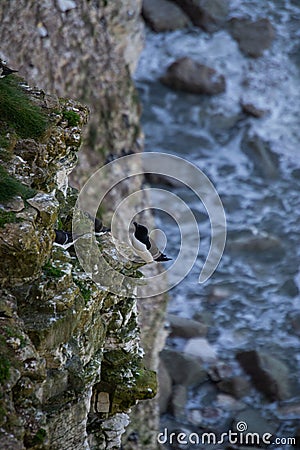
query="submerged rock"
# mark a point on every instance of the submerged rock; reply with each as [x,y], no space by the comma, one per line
[209,15]
[200,348]
[253,37]
[252,110]
[164,15]
[188,75]
[186,328]
[164,387]
[178,401]
[269,375]
[182,368]
[237,386]
[265,161]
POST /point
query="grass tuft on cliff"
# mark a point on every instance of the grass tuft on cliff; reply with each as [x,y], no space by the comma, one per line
[10,187]
[18,112]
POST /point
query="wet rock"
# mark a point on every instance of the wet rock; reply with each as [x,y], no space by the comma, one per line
[265,161]
[229,403]
[269,375]
[185,328]
[290,288]
[252,110]
[256,423]
[218,293]
[178,401]
[261,243]
[156,178]
[237,386]
[295,322]
[188,75]
[165,387]
[164,15]
[253,37]
[183,369]
[209,15]
[206,417]
[220,371]
[289,411]
[200,348]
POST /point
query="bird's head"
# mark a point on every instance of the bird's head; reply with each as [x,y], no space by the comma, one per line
[141,233]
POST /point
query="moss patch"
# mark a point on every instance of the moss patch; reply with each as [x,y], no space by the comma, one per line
[8,217]
[85,292]
[72,117]
[39,437]
[51,271]
[10,187]
[18,112]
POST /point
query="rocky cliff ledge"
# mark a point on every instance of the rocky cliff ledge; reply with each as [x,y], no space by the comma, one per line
[71,365]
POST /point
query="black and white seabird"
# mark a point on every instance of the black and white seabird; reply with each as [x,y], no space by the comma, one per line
[4,70]
[145,247]
[63,237]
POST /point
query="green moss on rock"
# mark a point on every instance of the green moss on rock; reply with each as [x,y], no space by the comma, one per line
[51,271]
[8,217]
[72,117]
[10,187]
[18,112]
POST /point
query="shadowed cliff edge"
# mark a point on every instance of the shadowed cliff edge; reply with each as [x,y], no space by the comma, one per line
[71,365]
[88,51]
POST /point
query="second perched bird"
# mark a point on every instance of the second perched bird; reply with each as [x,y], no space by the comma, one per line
[4,70]
[144,246]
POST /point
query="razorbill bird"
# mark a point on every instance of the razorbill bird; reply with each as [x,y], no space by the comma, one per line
[63,237]
[4,70]
[144,246]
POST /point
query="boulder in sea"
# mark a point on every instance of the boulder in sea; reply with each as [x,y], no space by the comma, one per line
[253,37]
[237,386]
[209,15]
[182,368]
[178,401]
[253,111]
[269,375]
[164,387]
[188,75]
[186,328]
[202,349]
[164,15]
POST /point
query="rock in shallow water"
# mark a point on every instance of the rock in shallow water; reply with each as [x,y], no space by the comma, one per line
[164,15]
[200,348]
[186,328]
[188,75]
[182,368]
[165,387]
[269,375]
[206,14]
[253,37]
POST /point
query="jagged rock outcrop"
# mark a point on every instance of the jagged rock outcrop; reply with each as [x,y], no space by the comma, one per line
[71,363]
[87,51]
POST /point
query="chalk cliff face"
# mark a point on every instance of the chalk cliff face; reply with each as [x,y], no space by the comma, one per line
[84,50]
[72,364]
